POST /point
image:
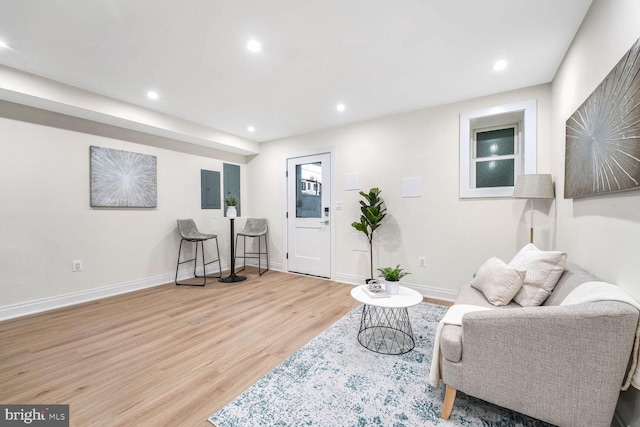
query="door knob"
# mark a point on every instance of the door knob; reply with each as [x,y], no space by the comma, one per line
[325,222]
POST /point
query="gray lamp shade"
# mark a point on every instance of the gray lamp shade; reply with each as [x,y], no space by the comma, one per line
[534,186]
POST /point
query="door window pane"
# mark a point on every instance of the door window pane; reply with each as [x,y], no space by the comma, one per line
[309,190]
[495,173]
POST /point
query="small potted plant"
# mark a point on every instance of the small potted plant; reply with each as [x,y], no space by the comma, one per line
[231,202]
[392,276]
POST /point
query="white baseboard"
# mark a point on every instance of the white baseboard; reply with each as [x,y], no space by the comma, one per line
[350,279]
[254,263]
[59,301]
[435,293]
[425,291]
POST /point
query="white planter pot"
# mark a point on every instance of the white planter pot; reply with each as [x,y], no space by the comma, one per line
[391,287]
[232,212]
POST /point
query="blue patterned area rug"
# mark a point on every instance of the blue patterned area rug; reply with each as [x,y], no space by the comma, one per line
[334,381]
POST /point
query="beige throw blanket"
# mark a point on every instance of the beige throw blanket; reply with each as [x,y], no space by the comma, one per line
[602,291]
[453,316]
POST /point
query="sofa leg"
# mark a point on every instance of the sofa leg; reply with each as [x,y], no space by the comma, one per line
[447,406]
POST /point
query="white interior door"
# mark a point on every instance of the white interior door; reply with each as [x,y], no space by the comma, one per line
[309,215]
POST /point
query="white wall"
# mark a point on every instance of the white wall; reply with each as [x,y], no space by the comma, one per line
[456,236]
[46,221]
[601,233]
[47,166]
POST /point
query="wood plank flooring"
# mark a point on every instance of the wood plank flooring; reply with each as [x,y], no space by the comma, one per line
[165,356]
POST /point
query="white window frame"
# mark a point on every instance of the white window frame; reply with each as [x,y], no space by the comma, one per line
[521,113]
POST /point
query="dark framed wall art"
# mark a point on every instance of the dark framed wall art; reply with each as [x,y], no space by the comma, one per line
[603,136]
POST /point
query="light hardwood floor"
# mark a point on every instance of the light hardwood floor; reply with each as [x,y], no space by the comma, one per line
[165,356]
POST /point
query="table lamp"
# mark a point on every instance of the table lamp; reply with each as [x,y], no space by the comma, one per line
[533,186]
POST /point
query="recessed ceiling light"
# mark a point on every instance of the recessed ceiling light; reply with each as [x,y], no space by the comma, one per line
[3,45]
[152,95]
[340,107]
[500,65]
[251,129]
[254,46]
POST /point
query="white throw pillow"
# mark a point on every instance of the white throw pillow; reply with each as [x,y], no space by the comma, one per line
[544,268]
[498,282]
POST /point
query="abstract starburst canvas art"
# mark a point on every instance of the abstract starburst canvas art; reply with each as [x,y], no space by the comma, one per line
[603,136]
[123,179]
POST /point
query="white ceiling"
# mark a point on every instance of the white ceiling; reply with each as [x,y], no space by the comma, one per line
[378,57]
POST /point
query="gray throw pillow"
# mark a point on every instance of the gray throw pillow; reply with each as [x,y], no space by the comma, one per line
[543,268]
[498,282]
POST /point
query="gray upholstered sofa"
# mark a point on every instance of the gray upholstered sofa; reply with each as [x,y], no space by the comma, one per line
[563,364]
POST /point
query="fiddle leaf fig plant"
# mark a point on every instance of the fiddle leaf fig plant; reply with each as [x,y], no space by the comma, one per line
[392,274]
[372,214]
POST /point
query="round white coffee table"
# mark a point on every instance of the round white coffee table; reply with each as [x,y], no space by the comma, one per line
[384,326]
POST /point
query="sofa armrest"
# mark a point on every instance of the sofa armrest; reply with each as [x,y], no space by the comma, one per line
[550,362]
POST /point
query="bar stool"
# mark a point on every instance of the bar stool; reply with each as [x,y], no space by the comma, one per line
[190,233]
[254,227]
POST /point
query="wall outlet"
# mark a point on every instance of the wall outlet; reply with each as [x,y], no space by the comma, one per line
[338,205]
[422,261]
[76,265]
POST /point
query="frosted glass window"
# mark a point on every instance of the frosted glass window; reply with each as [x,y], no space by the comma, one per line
[493,143]
[495,173]
[495,149]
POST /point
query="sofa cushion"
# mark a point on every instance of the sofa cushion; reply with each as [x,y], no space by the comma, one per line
[572,277]
[543,268]
[498,282]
